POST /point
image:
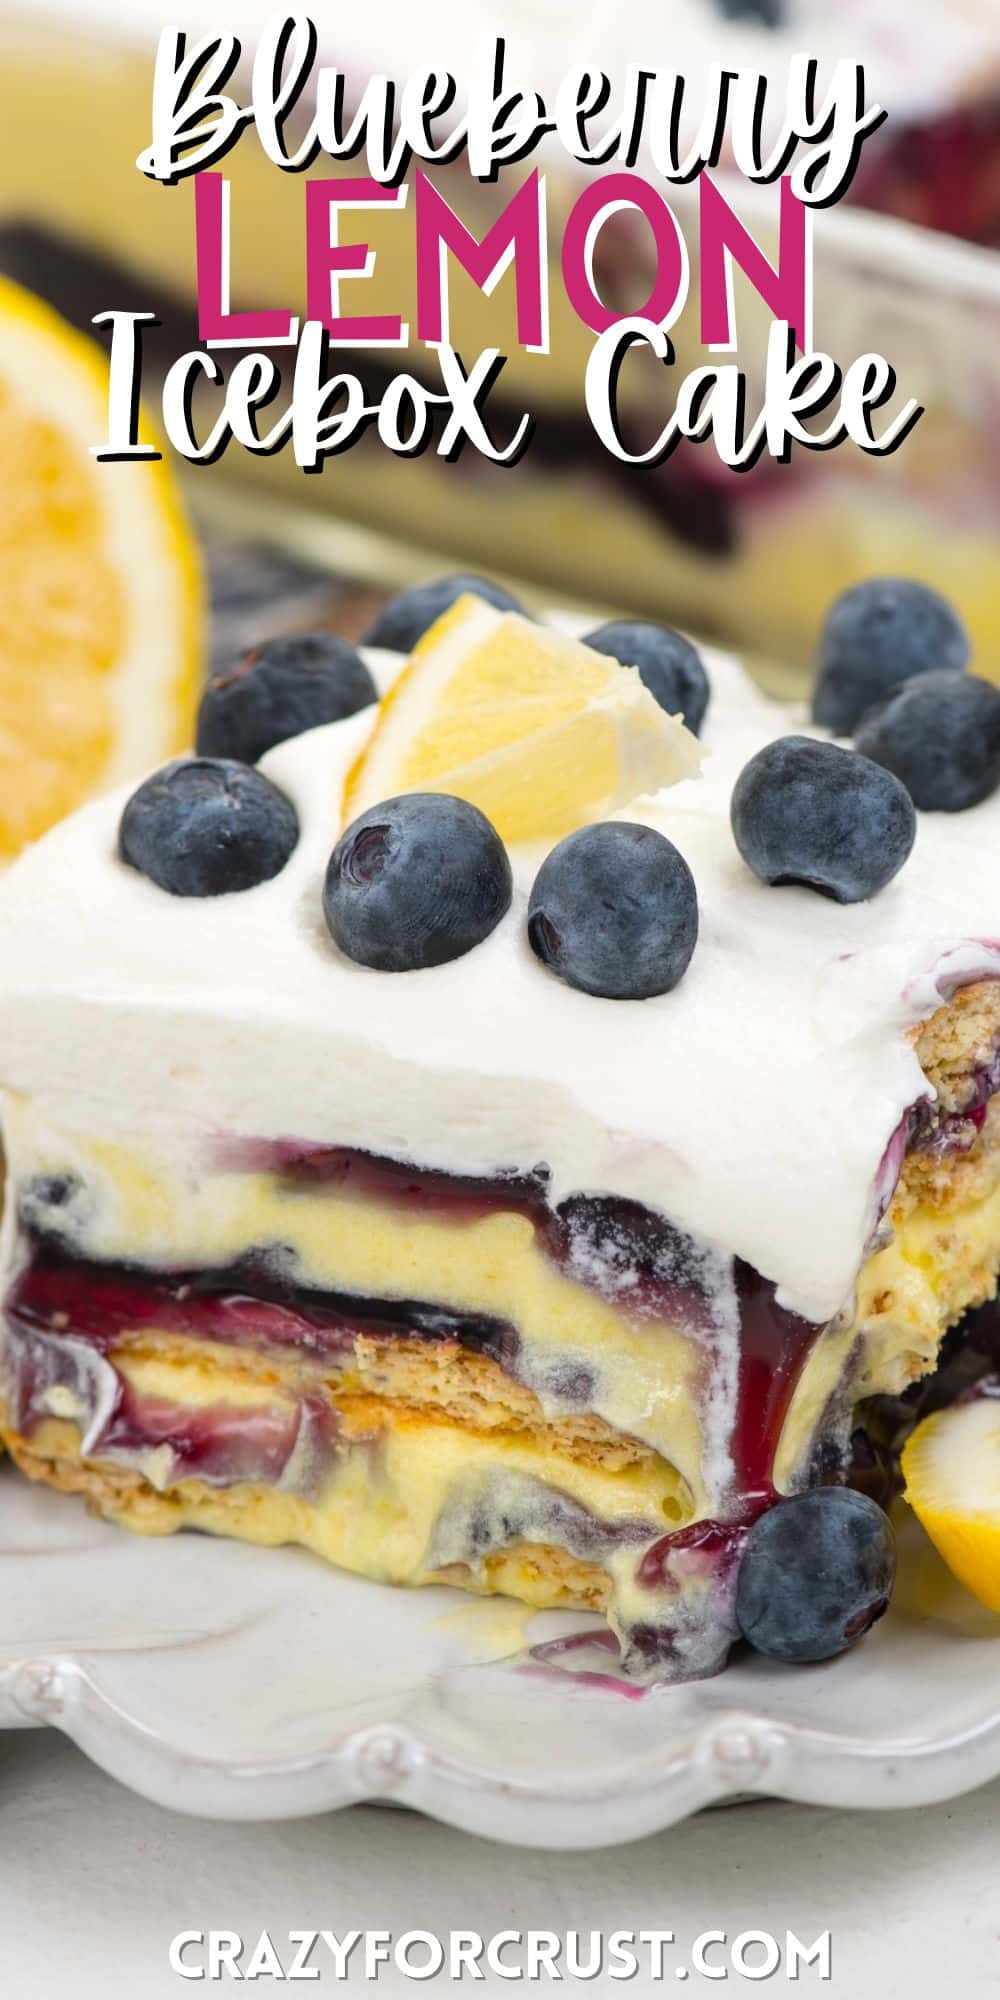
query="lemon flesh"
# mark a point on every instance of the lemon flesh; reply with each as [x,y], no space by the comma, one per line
[538,731]
[951,1465]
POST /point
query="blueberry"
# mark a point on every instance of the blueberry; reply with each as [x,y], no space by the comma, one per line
[281,688]
[416,881]
[821,817]
[205,826]
[941,736]
[668,664]
[408,616]
[614,911]
[816,1572]
[878,634]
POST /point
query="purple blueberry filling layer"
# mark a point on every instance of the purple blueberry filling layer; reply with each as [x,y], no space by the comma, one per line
[251,1305]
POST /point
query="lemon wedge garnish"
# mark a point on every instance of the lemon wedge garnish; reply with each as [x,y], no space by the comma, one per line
[100,593]
[539,732]
[951,1465]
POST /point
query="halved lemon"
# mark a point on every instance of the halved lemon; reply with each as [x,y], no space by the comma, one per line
[531,726]
[951,1465]
[100,587]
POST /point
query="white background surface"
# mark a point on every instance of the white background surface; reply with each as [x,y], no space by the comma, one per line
[94,1883]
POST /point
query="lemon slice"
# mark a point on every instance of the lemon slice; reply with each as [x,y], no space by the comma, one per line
[531,726]
[100,594]
[951,1465]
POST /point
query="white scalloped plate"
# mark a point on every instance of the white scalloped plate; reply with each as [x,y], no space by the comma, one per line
[244,1683]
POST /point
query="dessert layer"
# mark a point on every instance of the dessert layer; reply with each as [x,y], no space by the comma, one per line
[506,1269]
[241,1016]
[399,1455]
[528,1398]
[537,1573]
[414,1501]
[595,1304]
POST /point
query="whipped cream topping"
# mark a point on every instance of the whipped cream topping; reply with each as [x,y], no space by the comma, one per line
[754,1105]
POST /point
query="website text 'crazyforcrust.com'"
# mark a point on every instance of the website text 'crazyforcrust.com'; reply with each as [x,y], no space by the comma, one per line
[529,1956]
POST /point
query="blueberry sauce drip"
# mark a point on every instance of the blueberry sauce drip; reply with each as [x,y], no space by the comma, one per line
[774,1347]
[251,1304]
[554,1653]
[714,1544]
